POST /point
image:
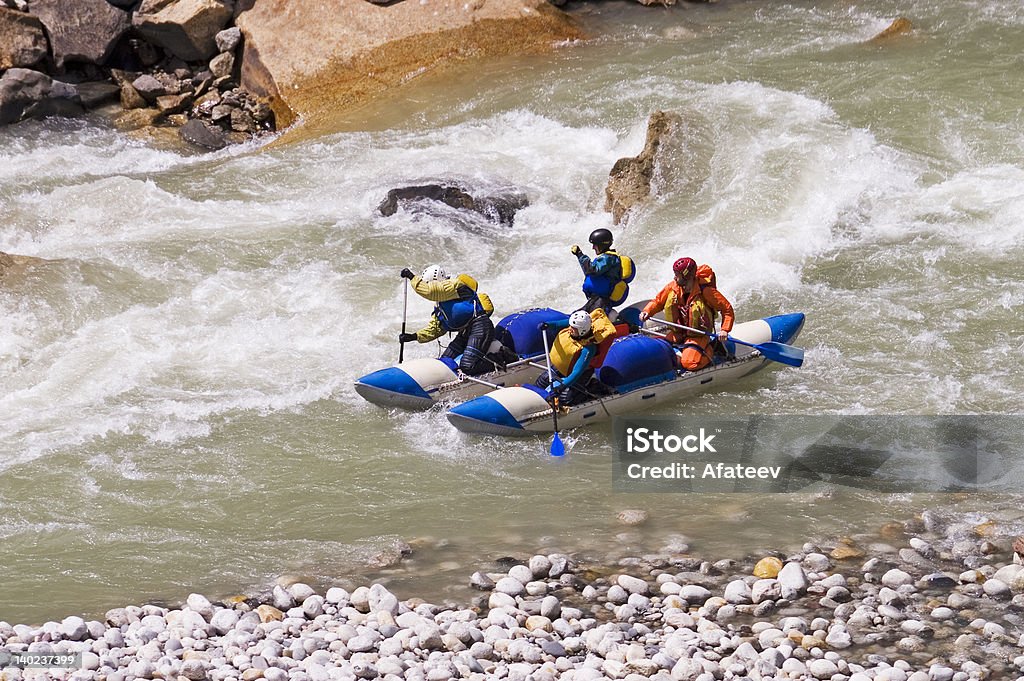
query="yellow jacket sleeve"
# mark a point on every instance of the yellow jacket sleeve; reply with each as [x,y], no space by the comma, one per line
[436,291]
[431,331]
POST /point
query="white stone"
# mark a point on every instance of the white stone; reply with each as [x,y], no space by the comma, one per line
[73,628]
[895,578]
[737,591]
[224,620]
[509,586]
[521,574]
[996,588]
[823,669]
[694,594]
[793,579]
[337,595]
[540,566]
[633,585]
[300,592]
[765,590]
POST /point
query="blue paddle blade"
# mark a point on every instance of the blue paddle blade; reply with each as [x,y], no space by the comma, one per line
[785,354]
[789,355]
[557,447]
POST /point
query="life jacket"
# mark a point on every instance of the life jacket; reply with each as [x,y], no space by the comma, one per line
[615,285]
[693,311]
[455,314]
[565,349]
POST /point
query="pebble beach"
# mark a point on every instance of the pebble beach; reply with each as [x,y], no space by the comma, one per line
[941,601]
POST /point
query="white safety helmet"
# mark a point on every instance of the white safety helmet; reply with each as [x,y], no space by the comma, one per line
[433,273]
[579,323]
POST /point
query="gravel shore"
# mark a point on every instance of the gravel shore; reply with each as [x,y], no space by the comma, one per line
[937,607]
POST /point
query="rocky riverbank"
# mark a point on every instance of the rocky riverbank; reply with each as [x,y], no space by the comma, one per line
[222,71]
[943,604]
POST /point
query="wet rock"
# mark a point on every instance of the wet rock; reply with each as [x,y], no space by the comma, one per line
[96,93]
[500,209]
[135,119]
[900,26]
[172,104]
[479,580]
[997,589]
[629,182]
[185,28]
[847,552]
[30,94]
[82,31]
[632,517]
[203,135]
[22,40]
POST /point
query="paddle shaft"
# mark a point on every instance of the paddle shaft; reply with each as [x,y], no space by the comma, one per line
[405,315]
[547,359]
[772,350]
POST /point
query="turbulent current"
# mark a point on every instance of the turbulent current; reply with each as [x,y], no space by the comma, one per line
[176,402]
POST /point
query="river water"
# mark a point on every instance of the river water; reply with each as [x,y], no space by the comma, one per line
[176,403]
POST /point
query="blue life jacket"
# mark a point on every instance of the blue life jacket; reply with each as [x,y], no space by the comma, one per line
[614,284]
[456,314]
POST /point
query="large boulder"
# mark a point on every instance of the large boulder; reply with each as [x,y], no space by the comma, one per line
[499,208]
[30,94]
[629,181]
[22,40]
[319,63]
[185,28]
[81,31]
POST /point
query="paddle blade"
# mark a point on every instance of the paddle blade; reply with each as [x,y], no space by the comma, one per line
[557,446]
[789,355]
[780,352]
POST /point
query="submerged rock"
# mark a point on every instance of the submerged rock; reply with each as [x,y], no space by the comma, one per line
[199,133]
[500,209]
[900,26]
[15,266]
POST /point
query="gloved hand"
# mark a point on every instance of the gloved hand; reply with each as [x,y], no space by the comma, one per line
[556,386]
[644,317]
[407,273]
[722,336]
[576,250]
[406,337]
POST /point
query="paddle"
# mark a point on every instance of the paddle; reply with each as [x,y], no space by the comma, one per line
[405,315]
[557,447]
[776,352]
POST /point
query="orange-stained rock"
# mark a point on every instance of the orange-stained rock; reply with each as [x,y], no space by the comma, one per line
[768,567]
[899,27]
[847,552]
[269,613]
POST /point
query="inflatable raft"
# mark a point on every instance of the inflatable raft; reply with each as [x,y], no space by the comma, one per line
[418,384]
[640,369]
